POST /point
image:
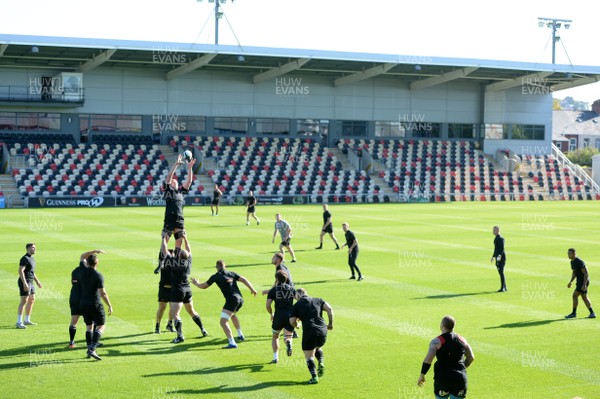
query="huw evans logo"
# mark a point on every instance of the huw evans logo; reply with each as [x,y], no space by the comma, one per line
[291,87]
[535,86]
[168,55]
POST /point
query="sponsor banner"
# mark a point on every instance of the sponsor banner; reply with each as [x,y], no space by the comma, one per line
[280,199]
[157,200]
[270,199]
[197,200]
[70,202]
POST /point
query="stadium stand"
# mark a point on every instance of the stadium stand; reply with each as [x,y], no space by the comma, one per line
[411,169]
[90,169]
[276,166]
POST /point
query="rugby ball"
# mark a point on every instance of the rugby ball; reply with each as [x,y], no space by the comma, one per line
[187,155]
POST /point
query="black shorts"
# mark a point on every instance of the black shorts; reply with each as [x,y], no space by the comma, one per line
[22,292]
[328,229]
[233,303]
[93,314]
[251,209]
[75,309]
[164,294]
[215,201]
[286,243]
[580,288]
[500,263]
[445,389]
[281,320]
[181,295]
[172,222]
[312,341]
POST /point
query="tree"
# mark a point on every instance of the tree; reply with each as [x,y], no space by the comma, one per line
[582,156]
[556,105]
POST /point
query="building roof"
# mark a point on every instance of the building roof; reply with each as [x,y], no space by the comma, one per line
[261,63]
[574,122]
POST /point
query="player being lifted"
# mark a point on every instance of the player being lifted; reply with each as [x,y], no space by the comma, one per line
[173,194]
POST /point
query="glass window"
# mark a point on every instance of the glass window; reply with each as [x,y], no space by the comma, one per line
[389,129]
[312,127]
[425,129]
[178,124]
[110,123]
[598,144]
[8,120]
[586,142]
[29,121]
[231,125]
[272,126]
[354,128]
[494,131]
[572,144]
[461,131]
[528,132]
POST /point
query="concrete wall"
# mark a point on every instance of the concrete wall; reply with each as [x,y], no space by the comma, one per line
[514,106]
[296,96]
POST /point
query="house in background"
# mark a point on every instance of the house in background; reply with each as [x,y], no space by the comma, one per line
[572,130]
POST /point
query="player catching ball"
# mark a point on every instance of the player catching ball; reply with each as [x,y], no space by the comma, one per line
[173,194]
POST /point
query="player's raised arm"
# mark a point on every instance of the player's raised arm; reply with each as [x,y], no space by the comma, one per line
[85,255]
[188,182]
[172,171]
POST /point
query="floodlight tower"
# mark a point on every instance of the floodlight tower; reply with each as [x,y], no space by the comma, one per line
[218,15]
[554,24]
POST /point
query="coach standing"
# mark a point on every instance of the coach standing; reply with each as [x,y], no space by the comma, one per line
[26,288]
[352,244]
[499,257]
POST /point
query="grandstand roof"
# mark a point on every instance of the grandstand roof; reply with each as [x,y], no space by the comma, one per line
[261,63]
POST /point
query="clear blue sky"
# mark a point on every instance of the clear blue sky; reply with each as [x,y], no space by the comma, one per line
[506,30]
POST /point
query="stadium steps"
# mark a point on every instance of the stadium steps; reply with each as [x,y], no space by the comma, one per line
[9,188]
[343,158]
[384,188]
[170,155]
[205,182]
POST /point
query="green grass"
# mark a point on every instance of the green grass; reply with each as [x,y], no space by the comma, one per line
[420,261]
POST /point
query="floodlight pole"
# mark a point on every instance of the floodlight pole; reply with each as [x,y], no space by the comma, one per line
[555,24]
[217,17]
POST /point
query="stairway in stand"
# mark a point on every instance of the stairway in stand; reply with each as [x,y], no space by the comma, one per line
[9,188]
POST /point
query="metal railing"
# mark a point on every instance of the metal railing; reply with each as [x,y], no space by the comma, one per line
[577,170]
[41,94]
